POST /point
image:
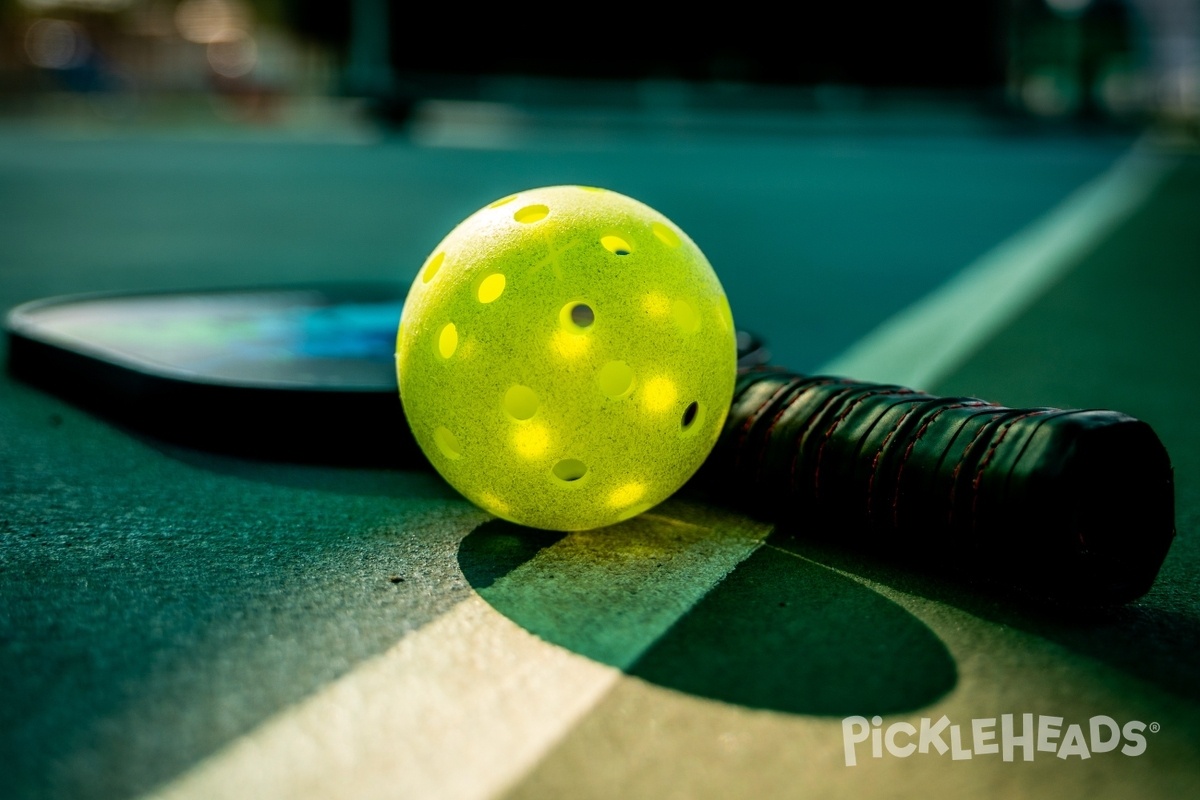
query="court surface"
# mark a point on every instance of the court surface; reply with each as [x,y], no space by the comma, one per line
[176,623]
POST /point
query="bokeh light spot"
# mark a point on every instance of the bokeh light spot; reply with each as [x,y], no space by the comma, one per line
[659,394]
[568,345]
[626,495]
[531,441]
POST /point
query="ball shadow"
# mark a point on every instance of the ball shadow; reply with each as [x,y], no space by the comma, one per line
[779,632]
[1155,639]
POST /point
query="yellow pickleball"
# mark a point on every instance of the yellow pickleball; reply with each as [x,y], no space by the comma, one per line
[566,357]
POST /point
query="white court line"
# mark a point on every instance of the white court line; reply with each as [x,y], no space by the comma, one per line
[466,706]
[926,341]
[455,710]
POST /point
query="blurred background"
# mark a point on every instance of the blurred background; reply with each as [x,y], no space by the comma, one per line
[373,65]
[836,162]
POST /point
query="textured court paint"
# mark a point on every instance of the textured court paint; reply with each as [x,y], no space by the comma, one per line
[193,580]
[928,339]
[474,686]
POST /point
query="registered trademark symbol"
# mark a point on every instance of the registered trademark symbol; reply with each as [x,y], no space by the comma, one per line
[1155,727]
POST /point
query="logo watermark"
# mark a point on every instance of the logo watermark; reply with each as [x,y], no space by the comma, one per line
[1028,735]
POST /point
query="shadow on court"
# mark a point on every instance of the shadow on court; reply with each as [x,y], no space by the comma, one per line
[779,632]
[1147,639]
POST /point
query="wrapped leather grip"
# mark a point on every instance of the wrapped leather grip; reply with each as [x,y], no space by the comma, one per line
[1075,504]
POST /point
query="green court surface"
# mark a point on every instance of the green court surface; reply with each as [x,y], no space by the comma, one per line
[179,623]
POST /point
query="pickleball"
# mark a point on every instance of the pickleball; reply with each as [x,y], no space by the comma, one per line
[566,357]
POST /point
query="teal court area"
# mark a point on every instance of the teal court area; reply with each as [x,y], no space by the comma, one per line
[183,623]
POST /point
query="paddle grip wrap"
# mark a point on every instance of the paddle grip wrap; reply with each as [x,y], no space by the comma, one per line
[1076,504]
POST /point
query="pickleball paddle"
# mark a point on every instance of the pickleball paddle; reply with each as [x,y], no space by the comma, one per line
[289,373]
[1075,504]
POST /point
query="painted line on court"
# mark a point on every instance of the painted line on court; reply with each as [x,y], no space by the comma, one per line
[465,706]
[926,341]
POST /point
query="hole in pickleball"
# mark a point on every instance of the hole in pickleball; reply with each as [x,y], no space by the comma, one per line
[616,245]
[569,470]
[447,442]
[582,315]
[591,188]
[502,201]
[532,213]
[432,267]
[576,317]
[725,315]
[520,402]
[615,379]
[690,415]
[665,234]
[448,340]
[491,287]
[685,316]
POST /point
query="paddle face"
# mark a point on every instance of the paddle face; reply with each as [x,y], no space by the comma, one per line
[302,373]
